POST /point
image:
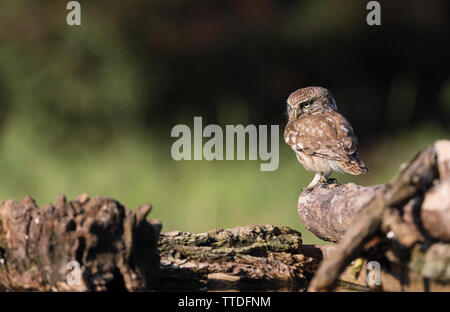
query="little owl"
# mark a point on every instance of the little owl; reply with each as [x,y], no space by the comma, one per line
[322,139]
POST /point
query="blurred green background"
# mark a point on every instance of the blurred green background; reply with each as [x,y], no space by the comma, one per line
[90,108]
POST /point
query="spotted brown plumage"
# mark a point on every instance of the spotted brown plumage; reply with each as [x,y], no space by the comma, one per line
[323,140]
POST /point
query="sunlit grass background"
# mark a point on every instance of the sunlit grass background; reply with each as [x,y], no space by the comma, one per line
[191,196]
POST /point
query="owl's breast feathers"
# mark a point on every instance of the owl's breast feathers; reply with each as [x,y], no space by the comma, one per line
[327,135]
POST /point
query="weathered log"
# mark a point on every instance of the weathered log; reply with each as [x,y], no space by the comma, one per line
[262,257]
[116,251]
[396,211]
[114,248]
[328,209]
[403,225]
[268,257]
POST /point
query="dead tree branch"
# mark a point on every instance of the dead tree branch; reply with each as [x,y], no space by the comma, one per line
[396,211]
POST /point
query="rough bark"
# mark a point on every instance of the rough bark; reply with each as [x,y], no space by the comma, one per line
[115,248]
[262,257]
[269,258]
[403,225]
[328,210]
[411,210]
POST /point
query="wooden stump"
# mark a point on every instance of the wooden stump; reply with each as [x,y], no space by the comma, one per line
[113,248]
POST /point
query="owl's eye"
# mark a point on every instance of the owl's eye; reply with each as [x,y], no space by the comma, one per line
[306,105]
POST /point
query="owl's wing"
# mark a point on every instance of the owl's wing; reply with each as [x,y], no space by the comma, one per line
[327,135]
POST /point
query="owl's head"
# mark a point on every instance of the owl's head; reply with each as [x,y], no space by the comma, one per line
[309,100]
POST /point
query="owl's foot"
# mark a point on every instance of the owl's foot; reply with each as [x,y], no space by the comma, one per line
[325,179]
[318,178]
[331,180]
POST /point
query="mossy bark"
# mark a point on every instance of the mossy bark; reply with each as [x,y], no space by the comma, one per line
[403,225]
[264,257]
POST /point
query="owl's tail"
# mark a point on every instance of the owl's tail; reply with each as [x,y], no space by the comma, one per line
[356,167]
